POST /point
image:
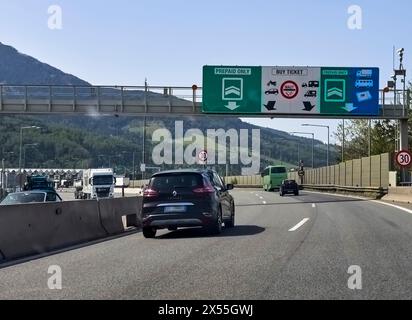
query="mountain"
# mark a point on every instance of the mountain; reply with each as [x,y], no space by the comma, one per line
[70,141]
[18,68]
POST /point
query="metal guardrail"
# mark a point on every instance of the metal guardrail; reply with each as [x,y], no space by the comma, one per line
[142,100]
[375,192]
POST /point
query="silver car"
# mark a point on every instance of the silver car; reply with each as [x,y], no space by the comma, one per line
[30,197]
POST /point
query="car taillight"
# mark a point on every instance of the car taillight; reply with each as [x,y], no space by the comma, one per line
[206,189]
[150,193]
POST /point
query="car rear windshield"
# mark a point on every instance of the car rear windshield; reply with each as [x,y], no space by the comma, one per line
[168,182]
[23,198]
[278,170]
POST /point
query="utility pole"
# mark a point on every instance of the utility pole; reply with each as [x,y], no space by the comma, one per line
[403,123]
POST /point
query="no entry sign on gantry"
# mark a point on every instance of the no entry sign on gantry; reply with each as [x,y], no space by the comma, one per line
[291,90]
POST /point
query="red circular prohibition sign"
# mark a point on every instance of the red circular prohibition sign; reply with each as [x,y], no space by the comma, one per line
[404,158]
[289,89]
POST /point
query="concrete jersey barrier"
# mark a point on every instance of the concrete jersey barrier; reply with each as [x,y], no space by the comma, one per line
[399,194]
[113,210]
[30,229]
[38,228]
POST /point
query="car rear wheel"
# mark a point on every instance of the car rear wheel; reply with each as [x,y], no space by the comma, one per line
[231,223]
[216,228]
[149,232]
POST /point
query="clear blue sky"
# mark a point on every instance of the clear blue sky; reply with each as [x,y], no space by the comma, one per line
[122,42]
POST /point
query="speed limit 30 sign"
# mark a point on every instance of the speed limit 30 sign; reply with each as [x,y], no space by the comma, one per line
[404,158]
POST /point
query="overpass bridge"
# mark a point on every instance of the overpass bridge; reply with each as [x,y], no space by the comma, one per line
[147,101]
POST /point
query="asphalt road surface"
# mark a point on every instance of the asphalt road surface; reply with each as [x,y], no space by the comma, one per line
[282,248]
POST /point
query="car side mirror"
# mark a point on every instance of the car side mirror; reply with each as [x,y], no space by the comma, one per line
[230,186]
[262,175]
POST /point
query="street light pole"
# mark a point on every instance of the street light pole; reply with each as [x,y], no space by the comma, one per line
[321,126]
[328,145]
[21,147]
[343,140]
[24,151]
[327,156]
[144,145]
[313,145]
[134,169]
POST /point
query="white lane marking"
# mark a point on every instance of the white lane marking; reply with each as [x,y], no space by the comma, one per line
[365,199]
[393,206]
[300,224]
[313,205]
[261,198]
[264,202]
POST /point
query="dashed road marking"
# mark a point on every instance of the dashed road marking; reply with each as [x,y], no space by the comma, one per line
[300,224]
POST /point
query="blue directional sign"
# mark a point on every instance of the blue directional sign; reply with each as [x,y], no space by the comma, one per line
[352,91]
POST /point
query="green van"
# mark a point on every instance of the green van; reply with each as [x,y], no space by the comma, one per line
[273,176]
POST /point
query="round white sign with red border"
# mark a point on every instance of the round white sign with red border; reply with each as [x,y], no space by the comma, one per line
[203,156]
[289,90]
[404,158]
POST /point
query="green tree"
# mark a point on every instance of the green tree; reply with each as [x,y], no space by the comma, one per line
[384,136]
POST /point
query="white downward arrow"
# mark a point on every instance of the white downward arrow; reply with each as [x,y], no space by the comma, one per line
[349,108]
[232,106]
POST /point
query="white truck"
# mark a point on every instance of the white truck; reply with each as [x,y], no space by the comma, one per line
[96,184]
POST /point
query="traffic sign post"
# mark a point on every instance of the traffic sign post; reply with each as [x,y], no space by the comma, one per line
[301,174]
[313,91]
[404,160]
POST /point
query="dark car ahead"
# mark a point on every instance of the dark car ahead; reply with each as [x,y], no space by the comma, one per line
[187,198]
[289,186]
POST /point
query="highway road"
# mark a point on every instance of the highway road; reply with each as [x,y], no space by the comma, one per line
[282,248]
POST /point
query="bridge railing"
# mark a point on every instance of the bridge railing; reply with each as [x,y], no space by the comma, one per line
[102,92]
[43,98]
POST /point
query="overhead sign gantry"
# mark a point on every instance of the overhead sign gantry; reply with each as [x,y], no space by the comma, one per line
[291,90]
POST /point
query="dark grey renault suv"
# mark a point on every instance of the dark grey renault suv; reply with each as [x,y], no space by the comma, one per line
[187,198]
